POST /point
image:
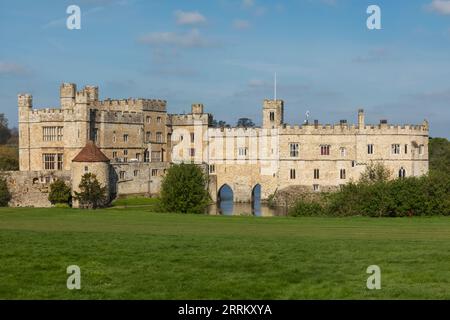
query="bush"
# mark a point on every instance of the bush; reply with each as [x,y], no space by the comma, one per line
[306,209]
[184,189]
[59,193]
[5,196]
[92,195]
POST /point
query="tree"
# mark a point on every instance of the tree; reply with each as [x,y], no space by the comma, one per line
[184,189]
[5,134]
[245,123]
[92,195]
[375,172]
[59,192]
[219,124]
[5,196]
[439,149]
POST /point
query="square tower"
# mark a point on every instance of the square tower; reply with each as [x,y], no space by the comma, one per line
[273,113]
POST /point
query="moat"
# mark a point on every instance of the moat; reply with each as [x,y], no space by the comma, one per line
[227,207]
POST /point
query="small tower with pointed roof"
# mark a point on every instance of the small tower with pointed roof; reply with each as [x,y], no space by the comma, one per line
[90,160]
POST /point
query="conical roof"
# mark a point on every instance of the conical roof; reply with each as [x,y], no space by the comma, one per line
[90,153]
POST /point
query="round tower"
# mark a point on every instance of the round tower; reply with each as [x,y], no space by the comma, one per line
[90,160]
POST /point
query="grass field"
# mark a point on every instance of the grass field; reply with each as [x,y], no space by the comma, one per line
[128,253]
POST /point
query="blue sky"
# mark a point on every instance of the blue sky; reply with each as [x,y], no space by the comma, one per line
[224,53]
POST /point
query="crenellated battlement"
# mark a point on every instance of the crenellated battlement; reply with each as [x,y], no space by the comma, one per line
[119,117]
[130,103]
[340,129]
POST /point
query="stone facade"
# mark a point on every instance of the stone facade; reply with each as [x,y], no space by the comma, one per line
[141,140]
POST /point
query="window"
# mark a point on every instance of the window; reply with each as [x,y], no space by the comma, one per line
[148,119]
[402,173]
[114,138]
[86,169]
[158,119]
[272,116]
[122,175]
[159,137]
[125,152]
[52,161]
[292,174]
[293,147]
[343,152]
[406,149]
[316,174]
[353,163]
[181,138]
[146,156]
[395,149]
[60,161]
[154,172]
[192,152]
[136,173]
[114,154]
[96,135]
[421,149]
[156,156]
[192,137]
[325,150]
[52,133]
[148,136]
[138,157]
[125,138]
[316,187]
[343,174]
[370,149]
[212,168]
[243,151]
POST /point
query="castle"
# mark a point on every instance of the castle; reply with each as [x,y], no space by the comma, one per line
[130,143]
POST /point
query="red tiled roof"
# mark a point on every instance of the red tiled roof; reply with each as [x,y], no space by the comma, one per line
[90,153]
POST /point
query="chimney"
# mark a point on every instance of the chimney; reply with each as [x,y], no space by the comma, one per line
[361,122]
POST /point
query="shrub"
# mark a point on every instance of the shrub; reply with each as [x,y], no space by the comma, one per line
[184,189]
[5,196]
[92,195]
[59,193]
[306,209]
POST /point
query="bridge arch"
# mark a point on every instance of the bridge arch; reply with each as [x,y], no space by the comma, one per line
[225,193]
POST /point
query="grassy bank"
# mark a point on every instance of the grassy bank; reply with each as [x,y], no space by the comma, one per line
[134,254]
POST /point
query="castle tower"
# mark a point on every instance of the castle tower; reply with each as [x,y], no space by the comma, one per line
[67,93]
[273,113]
[25,106]
[197,108]
[90,160]
[92,93]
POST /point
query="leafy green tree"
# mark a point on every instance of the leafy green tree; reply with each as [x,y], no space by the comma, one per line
[439,150]
[59,192]
[92,195]
[5,196]
[375,172]
[245,123]
[184,189]
[5,134]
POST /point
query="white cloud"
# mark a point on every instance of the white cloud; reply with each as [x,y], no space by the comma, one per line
[189,18]
[440,6]
[191,39]
[241,24]
[11,68]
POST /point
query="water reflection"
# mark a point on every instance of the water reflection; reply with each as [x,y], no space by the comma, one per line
[226,206]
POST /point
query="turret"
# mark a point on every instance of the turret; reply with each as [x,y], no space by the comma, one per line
[25,101]
[92,93]
[273,113]
[197,108]
[67,94]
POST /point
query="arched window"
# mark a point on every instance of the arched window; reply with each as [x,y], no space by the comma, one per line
[402,173]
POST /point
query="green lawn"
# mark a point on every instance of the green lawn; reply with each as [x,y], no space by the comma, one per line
[129,253]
